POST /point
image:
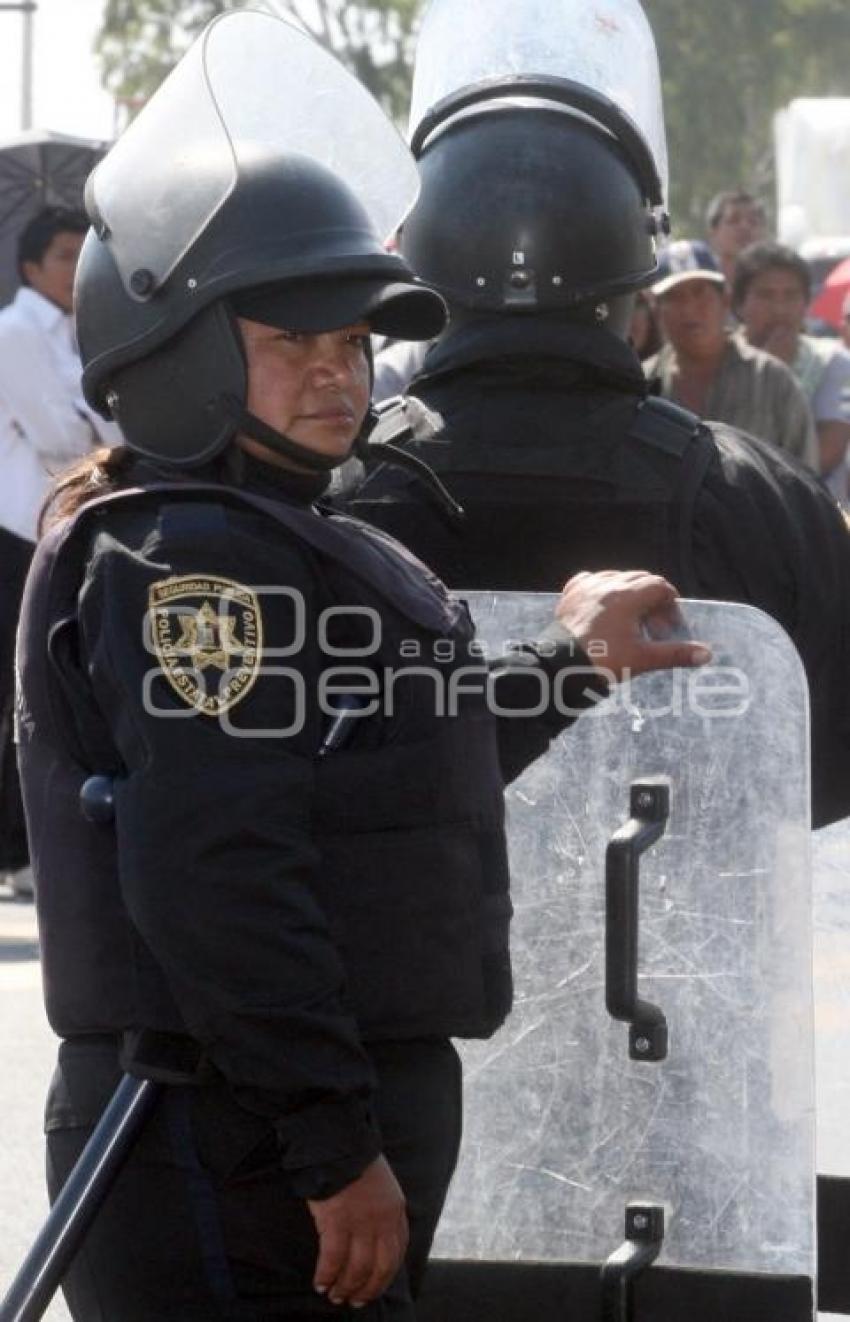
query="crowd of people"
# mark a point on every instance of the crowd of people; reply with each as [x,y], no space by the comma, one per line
[733,341]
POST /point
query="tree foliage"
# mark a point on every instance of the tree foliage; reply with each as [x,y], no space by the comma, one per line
[140,41]
[727,66]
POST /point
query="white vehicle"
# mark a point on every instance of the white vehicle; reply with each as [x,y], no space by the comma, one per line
[812,137]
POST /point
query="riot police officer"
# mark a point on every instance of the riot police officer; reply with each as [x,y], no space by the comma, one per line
[300,900]
[541,149]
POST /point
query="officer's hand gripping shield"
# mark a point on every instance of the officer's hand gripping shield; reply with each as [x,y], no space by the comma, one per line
[598,59]
[253,85]
[685,1136]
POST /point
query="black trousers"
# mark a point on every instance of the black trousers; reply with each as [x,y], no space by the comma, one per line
[200,1224]
[15,556]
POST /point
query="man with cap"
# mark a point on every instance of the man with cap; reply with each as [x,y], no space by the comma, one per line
[532,406]
[717,374]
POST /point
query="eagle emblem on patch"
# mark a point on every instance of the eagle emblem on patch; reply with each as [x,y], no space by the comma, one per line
[207,633]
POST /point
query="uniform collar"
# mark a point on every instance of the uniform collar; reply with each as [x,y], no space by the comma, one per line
[276,483]
[240,469]
[476,342]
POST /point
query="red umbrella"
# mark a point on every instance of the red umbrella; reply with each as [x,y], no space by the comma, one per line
[834,290]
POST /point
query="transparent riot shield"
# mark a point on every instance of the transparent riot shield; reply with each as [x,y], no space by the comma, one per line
[682,1130]
[831,894]
[252,85]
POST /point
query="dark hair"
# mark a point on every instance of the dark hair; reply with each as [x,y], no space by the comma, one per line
[98,474]
[106,470]
[768,256]
[730,197]
[38,234]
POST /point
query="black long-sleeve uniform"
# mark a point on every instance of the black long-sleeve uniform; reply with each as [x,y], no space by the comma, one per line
[299,916]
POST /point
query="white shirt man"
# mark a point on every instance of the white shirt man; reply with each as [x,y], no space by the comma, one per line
[44,422]
[45,425]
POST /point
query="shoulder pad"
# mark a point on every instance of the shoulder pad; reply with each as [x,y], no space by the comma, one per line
[189,520]
[201,511]
[393,424]
[193,521]
[387,405]
[404,418]
[666,425]
[371,555]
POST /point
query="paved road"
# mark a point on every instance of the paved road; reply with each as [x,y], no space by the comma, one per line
[27,1048]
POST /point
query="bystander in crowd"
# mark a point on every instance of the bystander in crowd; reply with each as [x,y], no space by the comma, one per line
[770,295]
[708,369]
[45,425]
[845,321]
[397,362]
[734,219]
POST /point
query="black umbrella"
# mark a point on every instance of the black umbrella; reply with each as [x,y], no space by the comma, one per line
[38,169]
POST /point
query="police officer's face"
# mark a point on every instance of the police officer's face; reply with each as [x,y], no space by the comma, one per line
[312,388]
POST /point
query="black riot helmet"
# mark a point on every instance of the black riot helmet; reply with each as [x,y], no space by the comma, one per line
[540,138]
[221,200]
[554,217]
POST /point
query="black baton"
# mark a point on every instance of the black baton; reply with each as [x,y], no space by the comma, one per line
[119,1127]
[98,1164]
[74,1210]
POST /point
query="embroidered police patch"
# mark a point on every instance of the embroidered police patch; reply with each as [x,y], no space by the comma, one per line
[207,634]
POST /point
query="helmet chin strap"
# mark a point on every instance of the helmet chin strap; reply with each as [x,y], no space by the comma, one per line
[248,424]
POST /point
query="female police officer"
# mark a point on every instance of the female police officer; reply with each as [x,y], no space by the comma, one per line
[289,916]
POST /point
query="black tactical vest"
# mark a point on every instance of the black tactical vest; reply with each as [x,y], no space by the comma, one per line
[413,877]
[545,494]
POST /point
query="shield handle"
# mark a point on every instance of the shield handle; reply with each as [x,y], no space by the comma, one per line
[650,809]
[644,1239]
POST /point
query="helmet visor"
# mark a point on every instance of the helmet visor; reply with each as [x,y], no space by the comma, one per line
[251,83]
[607,48]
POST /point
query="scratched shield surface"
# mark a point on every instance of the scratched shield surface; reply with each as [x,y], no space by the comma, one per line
[562,1128]
[831,892]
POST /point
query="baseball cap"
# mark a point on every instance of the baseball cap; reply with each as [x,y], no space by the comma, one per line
[686,259]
